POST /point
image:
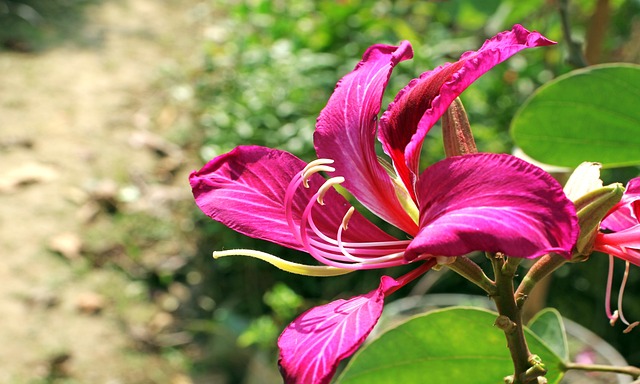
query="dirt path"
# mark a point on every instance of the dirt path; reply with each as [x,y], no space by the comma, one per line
[69,119]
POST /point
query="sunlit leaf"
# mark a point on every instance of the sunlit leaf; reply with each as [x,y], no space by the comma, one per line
[455,345]
[587,115]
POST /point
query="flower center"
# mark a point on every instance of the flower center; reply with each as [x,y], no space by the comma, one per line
[331,248]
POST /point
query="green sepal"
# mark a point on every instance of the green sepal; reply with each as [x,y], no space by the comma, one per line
[591,208]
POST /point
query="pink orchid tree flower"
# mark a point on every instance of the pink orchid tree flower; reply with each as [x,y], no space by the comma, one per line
[477,202]
[619,236]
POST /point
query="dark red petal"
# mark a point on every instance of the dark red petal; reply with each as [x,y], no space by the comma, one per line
[421,103]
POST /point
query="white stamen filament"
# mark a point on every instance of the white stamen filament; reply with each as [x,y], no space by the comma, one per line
[343,227]
[396,244]
[618,313]
[621,292]
[332,251]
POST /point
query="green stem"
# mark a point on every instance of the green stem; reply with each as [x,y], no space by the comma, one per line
[468,269]
[576,57]
[538,271]
[632,371]
[511,265]
[510,320]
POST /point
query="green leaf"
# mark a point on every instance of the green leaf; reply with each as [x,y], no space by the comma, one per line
[454,345]
[548,326]
[589,114]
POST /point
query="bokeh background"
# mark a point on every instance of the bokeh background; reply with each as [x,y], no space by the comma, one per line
[107,105]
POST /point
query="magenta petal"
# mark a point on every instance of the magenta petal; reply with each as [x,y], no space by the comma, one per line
[627,238]
[245,189]
[625,249]
[494,203]
[623,220]
[627,212]
[313,344]
[421,103]
[346,130]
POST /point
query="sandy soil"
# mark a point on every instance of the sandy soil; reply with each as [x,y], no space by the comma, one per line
[72,117]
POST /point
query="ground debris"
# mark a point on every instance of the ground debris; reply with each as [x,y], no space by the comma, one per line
[67,244]
[41,298]
[56,366]
[15,142]
[171,155]
[90,303]
[146,338]
[159,145]
[67,193]
[26,174]
[104,193]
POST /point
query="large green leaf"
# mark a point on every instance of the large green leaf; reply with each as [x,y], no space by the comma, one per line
[454,345]
[590,114]
[549,326]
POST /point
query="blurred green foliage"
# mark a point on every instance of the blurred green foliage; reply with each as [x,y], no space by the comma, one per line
[284,303]
[269,68]
[28,25]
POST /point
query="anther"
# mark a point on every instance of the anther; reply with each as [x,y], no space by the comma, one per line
[614,318]
[311,171]
[317,162]
[347,217]
[631,326]
[318,165]
[328,185]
